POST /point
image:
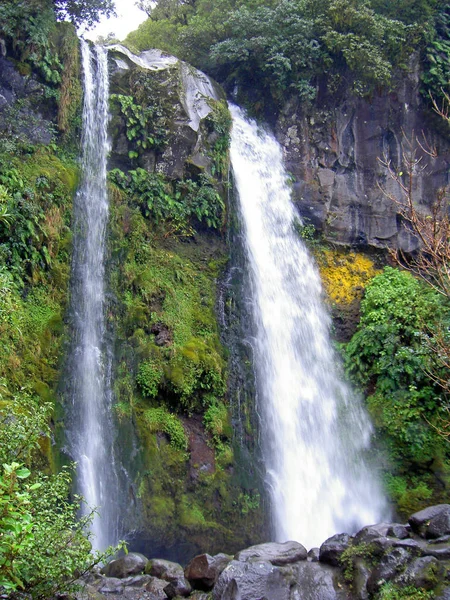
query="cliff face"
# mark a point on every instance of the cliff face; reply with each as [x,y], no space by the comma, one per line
[333,150]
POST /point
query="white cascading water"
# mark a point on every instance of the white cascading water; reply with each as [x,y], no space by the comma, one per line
[90,430]
[313,428]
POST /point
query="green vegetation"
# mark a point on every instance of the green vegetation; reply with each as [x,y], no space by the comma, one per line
[390,591]
[392,356]
[287,46]
[178,205]
[43,542]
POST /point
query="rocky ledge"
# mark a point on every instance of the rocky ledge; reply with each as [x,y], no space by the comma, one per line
[387,555]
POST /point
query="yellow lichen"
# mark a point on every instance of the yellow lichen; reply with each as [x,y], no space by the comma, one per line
[345,274]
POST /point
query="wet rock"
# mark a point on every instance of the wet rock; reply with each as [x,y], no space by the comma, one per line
[313,554]
[371,532]
[203,571]
[378,546]
[388,568]
[422,573]
[439,525]
[333,547]
[178,587]
[164,569]
[398,531]
[250,580]
[419,521]
[413,546]
[136,581]
[111,585]
[156,588]
[361,574]
[440,551]
[131,564]
[444,594]
[441,540]
[315,581]
[277,554]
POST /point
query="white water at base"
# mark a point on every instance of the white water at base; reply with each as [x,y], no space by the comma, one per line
[314,430]
[90,430]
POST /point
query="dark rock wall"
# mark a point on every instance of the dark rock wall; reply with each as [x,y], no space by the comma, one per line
[333,150]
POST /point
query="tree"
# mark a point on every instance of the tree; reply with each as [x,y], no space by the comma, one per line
[85,12]
[431,227]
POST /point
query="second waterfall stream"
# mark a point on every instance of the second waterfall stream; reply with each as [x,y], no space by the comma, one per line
[313,428]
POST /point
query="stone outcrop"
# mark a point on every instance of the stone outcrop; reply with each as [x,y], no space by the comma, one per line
[347,567]
[178,98]
[333,150]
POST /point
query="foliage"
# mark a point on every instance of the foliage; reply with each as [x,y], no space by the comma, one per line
[436,73]
[179,203]
[389,591]
[140,125]
[390,355]
[43,546]
[28,28]
[219,122]
[159,419]
[85,12]
[286,46]
[350,554]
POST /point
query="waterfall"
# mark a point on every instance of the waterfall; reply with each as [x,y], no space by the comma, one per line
[90,428]
[314,431]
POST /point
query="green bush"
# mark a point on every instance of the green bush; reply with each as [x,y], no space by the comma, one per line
[159,419]
[43,544]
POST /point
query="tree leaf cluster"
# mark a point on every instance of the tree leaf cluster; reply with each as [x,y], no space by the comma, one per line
[289,46]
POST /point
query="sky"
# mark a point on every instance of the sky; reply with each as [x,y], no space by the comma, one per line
[128,18]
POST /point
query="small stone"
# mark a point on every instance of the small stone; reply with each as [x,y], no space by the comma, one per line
[313,555]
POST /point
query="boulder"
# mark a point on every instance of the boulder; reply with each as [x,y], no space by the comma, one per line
[413,546]
[371,532]
[275,553]
[422,573]
[388,568]
[398,531]
[256,579]
[156,588]
[313,554]
[420,521]
[203,571]
[131,564]
[439,525]
[178,587]
[164,569]
[333,547]
[440,551]
[111,585]
[250,580]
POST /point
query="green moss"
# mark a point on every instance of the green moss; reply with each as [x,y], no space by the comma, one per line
[159,419]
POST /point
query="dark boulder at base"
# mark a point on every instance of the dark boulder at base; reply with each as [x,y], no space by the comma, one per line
[164,569]
[420,521]
[275,553]
[332,549]
[398,531]
[203,571]
[178,587]
[388,568]
[131,564]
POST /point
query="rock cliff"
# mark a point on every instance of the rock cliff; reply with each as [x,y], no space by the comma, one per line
[333,150]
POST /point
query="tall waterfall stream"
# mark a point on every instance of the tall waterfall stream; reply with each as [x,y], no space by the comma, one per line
[90,429]
[313,428]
